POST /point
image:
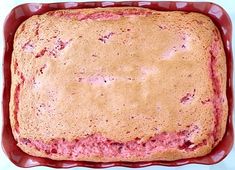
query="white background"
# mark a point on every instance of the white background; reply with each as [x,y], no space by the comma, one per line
[227,164]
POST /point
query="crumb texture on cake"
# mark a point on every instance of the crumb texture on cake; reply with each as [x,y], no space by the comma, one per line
[118,84]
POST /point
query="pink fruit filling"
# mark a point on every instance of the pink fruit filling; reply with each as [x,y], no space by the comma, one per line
[17,94]
[28,46]
[188,97]
[102,15]
[59,45]
[16,109]
[105,38]
[97,145]
[217,99]
[41,53]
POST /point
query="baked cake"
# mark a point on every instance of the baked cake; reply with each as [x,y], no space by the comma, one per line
[118,84]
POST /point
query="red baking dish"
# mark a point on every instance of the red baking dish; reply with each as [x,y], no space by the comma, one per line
[24,11]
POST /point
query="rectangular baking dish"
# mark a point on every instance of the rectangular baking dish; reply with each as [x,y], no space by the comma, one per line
[24,11]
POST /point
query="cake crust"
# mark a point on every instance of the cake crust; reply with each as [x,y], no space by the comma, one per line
[118,84]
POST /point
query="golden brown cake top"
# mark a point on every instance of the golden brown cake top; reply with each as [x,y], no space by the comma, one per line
[123,73]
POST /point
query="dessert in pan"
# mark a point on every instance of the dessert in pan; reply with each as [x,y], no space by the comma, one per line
[118,84]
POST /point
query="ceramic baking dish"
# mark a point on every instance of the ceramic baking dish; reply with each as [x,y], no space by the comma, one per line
[24,11]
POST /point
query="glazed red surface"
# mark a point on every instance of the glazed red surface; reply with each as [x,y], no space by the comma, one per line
[22,12]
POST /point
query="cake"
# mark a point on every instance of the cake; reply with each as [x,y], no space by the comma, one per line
[118,84]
